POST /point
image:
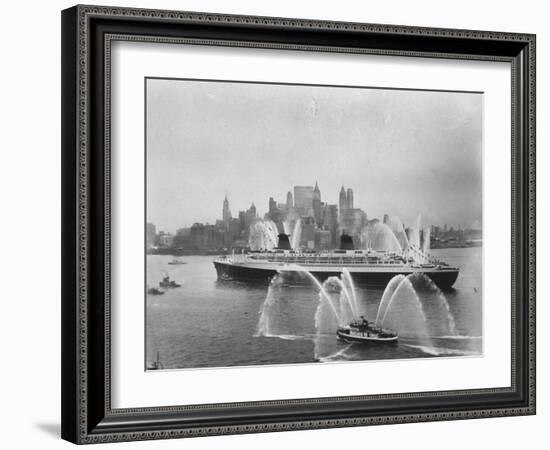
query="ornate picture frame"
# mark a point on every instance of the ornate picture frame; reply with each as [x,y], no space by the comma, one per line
[88,33]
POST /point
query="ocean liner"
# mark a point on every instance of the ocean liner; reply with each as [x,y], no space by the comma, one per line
[366,267]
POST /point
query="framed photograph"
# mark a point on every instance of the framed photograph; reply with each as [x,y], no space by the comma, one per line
[279,224]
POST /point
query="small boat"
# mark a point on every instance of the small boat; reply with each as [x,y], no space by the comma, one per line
[364,332]
[155,291]
[168,283]
[176,262]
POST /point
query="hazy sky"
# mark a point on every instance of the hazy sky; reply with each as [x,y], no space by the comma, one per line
[402,152]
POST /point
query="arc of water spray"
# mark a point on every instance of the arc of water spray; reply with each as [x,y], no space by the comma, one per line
[347,296]
[406,280]
[450,319]
[317,283]
[387,296]
[347,276]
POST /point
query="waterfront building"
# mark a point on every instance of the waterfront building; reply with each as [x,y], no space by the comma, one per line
[182,239]
[150,233]
[165,239]
[205,238]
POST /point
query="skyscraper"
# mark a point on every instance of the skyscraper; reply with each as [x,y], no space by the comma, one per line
[272,205]
[308,233]
[317,207]
[249,217]
[303,200]
[331,222]
[343,202]
[226,213]
[289,201]
[350,198]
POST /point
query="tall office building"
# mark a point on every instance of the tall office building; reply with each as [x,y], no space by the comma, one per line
[317,206]
[289,201]
[272,205]
[250,217]
[330,222]
[350,198]
[345,201]
[342,202]
[303,200]
[226,213]
[353,221]
[308,233]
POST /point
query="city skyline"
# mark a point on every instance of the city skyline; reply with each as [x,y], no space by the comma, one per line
[406,152]
[230,212]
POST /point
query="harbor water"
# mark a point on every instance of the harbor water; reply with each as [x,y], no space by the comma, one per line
[211,323]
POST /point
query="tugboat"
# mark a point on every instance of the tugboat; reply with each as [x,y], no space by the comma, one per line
[168,283]
[361,331]
[176,262]
[155,291]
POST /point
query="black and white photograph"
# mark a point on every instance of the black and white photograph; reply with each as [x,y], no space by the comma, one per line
[280,220]
[292,223]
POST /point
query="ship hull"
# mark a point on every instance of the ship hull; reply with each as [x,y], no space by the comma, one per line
[444,279]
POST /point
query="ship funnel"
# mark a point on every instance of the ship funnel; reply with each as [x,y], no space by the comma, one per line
[346,242]
[284,242]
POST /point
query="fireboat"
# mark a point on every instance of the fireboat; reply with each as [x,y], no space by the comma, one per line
[365,332]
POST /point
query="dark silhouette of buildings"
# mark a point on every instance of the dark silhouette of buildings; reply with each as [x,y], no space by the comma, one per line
[321,224]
